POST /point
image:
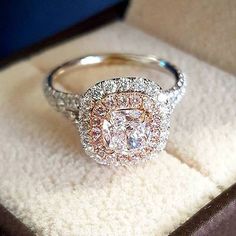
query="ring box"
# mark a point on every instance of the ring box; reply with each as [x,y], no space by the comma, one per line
[39,167]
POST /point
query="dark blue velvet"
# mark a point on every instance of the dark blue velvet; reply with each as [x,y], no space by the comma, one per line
[26,22]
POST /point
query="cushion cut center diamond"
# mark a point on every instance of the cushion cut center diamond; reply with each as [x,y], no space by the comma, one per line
[126,130]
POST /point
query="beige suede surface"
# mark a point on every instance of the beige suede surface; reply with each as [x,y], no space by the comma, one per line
[49,183]
[205,28]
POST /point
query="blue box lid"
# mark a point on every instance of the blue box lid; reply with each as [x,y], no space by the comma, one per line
[26,22]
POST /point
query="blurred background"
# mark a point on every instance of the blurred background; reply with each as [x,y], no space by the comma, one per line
[206,29]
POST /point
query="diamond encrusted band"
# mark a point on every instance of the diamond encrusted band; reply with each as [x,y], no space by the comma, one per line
[122,120]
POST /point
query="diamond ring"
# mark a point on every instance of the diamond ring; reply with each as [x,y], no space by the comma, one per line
[123,120]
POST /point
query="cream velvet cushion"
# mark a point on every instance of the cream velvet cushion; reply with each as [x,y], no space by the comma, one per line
[203,28]
[49,183]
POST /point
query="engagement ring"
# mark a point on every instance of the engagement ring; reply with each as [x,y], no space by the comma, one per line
[122,120]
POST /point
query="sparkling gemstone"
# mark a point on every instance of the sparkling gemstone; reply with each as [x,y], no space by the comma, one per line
[96,121]
[110,101]
[97,93]
[135,100]
[126,130]
[71,115]
[139,84]
[162,97]
[96,133]
[123,101]
[124,84]
[60,102]
[148,104]
[100,110]
[109,86]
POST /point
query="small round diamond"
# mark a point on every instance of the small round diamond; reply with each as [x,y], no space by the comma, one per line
[162,97]
[96,133]
[139,85]
[60,102]
[148,104]
[100,110]
[135,100]
[110,101]
[96,121]
[71,115]
[124,84]
[109,86]
[123,101]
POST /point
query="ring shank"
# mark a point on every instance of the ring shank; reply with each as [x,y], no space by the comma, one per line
[149,61]
[172,95]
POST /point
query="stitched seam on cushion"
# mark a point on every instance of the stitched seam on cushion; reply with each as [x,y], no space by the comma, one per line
[193,165]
